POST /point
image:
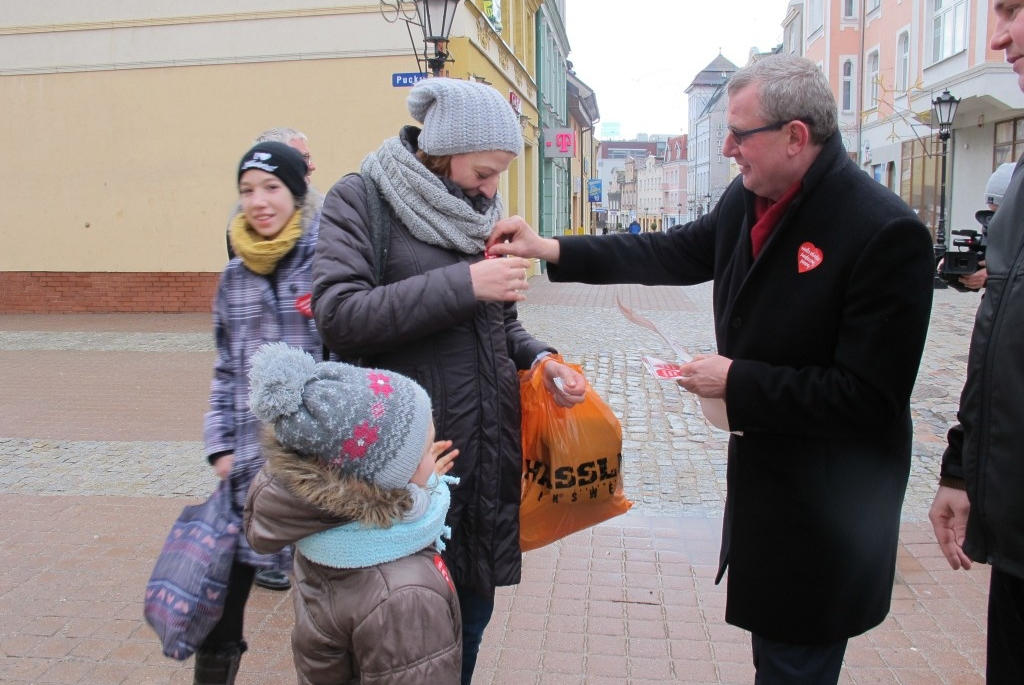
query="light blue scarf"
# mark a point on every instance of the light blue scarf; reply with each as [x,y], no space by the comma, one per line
[355,545]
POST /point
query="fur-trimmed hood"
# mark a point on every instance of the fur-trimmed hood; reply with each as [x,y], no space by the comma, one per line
[311,205]
[331,491]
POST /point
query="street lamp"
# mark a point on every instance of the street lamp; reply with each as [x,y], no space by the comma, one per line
[434,20]
[944,109]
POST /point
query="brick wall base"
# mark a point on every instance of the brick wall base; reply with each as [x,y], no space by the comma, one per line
[66,292]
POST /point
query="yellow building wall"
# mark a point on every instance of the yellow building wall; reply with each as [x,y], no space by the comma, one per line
[134,170]
[126,167]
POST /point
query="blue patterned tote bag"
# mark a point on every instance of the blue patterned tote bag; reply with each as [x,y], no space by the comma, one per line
[186,591]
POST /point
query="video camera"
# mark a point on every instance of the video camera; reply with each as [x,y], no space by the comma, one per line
[970,250]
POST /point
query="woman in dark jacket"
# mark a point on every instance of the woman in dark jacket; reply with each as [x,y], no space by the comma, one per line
[444,315]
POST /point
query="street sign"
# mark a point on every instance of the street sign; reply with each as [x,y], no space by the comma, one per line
[559,142]
[406,80]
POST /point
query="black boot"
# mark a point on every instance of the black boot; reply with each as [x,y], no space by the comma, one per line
[218,666]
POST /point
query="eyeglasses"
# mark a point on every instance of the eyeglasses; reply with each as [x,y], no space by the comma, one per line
[740,136]
[307,157]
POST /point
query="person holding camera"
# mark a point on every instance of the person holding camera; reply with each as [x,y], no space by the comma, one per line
[994,191]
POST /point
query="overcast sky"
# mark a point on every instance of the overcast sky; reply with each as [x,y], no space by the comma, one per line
[640,55]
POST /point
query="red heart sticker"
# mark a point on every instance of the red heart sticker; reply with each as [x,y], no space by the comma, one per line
[443,569]
[808,257]
[304,303]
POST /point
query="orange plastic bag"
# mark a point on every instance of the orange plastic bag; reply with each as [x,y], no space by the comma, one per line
[572,464]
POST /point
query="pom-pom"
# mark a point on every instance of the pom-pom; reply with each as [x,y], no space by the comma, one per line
[279,375]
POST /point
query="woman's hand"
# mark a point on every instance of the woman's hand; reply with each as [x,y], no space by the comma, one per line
[443,462]
[222,467]
[573,385]
[500,280]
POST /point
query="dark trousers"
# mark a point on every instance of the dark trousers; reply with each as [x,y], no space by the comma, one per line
[228,630]
[778,663]
[476,610]
[1005,630]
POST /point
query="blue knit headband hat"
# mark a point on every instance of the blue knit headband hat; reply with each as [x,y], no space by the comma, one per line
[463,116]
[367,423]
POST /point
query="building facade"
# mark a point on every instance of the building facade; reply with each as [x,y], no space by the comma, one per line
[612,157]
[675,168]
[588,188]
[887,60]
[131,118]
[708,171]
[649,200]
[555,188]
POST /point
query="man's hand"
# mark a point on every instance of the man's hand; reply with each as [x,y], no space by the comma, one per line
[523,241]
[976,281]
[949,520]
[705,376]
[500,280]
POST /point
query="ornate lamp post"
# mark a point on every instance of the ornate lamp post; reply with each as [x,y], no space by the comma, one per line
[944,109]
[434,21]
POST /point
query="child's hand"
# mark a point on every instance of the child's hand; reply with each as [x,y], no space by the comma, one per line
[222,467]
[443,463]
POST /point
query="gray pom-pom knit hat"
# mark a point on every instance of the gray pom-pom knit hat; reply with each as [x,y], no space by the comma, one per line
[369,424]
[463,116]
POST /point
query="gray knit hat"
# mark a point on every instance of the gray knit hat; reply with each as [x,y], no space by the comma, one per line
[997,182]
[367,423]
[463,116]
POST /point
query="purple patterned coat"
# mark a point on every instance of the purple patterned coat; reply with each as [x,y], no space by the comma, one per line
[250,310]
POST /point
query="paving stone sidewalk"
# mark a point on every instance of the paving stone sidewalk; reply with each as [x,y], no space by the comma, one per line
[100,430]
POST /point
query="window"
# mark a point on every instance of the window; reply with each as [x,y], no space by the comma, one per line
[850,9]
[847,97]
[903,62]
[1009,143]
[919,178]
[949,28]
[873,5]
[815,19]
[871,90]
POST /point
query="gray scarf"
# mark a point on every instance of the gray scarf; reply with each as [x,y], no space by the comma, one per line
[424,203]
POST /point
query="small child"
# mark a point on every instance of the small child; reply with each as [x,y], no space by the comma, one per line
[353,478]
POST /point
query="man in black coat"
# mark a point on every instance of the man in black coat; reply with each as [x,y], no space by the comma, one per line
[978,512]
[822,294]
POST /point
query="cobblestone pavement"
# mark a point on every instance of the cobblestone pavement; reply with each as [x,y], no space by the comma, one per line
[674,461]
[100,430]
